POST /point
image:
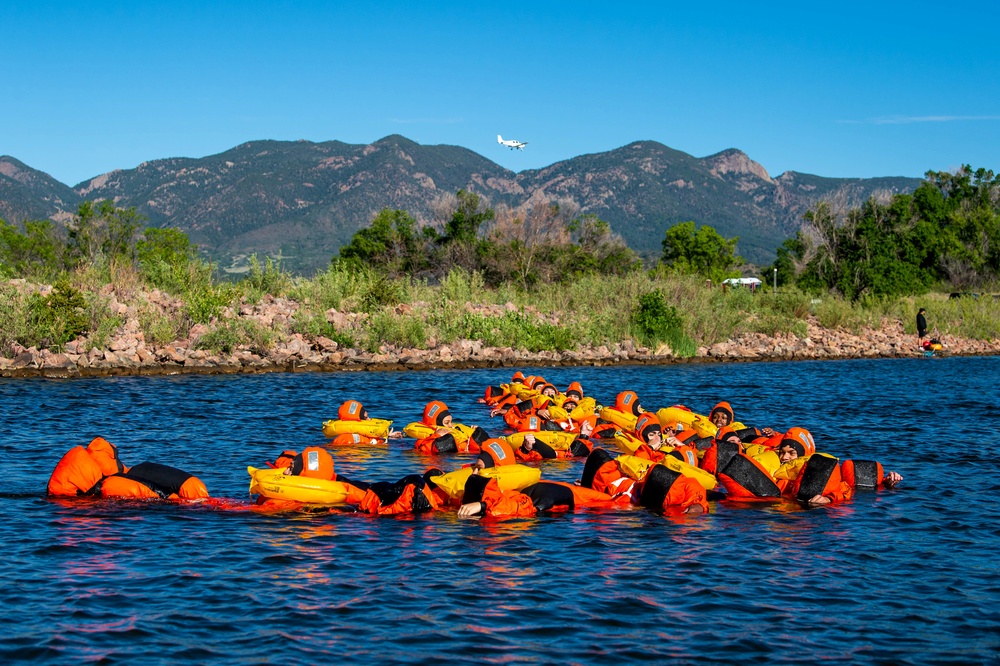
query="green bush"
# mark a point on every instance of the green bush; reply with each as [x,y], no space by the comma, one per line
[654,320]
[203,304]
[391,329]
[461,286]
[341,281]
[36,253]
[516,330]
[227,335]
[168,260]
[56,318]
[790,302]
[315,325]
[381,292]
[159,328]
[265,279]
[13,318]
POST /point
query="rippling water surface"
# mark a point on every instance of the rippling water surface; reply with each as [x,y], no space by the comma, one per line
[905,576]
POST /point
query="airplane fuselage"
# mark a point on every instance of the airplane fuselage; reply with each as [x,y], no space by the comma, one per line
[511,143]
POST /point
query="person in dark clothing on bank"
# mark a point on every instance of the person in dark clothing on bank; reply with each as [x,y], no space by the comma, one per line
[921,325]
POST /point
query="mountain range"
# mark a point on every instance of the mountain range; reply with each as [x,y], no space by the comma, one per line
[301,201]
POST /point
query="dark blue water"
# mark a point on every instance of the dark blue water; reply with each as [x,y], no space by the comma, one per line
[906,576]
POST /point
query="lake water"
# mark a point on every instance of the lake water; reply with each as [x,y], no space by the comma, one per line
[904,576]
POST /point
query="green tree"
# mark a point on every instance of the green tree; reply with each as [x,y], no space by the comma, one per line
[962,210]
[391,243]
[598,250]
[101,231]
[471,213]
[168,260]
[702,252]
[789,254]
[38,252]
[878,249]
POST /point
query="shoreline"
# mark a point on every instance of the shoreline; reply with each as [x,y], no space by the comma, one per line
[126,351]
[170,360]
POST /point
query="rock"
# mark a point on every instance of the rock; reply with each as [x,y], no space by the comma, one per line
[25,359]
[228,361]
[61,361]
[339,320]
[296,346]
[197,331]
[123,343]
[326,344]
[172,354]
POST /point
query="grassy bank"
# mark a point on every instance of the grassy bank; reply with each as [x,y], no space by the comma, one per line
[363,309]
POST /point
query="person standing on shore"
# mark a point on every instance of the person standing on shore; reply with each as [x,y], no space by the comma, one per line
[921,325]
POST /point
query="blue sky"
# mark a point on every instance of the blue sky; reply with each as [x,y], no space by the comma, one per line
[852,89]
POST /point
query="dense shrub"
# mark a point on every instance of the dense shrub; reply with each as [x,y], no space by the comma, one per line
[57,317]
[229,334]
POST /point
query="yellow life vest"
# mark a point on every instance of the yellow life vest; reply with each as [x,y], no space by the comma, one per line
[275,484]
[369,428]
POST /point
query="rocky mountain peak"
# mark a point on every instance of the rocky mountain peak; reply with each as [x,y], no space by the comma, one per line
[10,167]
[736,161]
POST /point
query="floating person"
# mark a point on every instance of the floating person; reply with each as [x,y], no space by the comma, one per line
[534,450]
[483,497]
[604,473]
[353,426]
[437,432]
[802,474]
[99,471]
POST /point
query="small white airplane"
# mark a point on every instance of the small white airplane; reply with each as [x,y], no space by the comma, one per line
[512,144]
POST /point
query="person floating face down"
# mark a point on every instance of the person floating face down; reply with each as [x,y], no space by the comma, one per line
[798,443]
[501,399]
[98,470]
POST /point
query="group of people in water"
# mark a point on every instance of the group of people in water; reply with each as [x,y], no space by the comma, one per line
[670,461]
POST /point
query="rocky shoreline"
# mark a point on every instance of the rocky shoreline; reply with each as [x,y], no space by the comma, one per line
[128,354]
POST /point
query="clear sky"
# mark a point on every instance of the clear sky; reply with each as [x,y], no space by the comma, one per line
[834,89]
